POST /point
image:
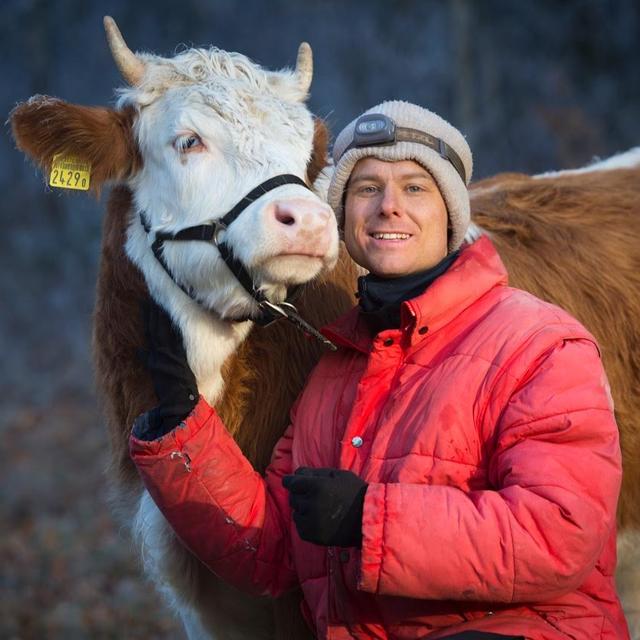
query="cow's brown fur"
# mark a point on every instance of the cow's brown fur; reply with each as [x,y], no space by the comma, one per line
[122,381]
[574,239]
[319,158]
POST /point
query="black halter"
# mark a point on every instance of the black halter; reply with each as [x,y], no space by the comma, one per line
[208,232]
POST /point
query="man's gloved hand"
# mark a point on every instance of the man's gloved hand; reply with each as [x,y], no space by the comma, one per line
[327,505]
[173,381]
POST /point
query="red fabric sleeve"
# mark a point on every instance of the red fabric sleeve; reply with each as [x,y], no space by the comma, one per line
[233,519]
[556,470]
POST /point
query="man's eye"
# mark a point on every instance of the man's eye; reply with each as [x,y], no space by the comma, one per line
[368,189]
[414,188]
[188,142]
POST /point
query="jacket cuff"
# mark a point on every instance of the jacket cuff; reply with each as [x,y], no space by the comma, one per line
[152,425]
[141,445]
[373,517]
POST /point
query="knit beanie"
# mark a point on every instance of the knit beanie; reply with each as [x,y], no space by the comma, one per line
[420,135]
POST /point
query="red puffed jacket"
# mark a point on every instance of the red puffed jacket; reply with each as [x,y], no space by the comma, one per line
[485,430]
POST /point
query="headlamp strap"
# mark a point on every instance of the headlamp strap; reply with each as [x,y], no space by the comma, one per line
[405,134]
[377,129]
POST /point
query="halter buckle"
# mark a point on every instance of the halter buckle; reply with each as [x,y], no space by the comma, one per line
[273,312]
[218,226]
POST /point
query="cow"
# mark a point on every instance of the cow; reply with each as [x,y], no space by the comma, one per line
[564,237]
[200,138]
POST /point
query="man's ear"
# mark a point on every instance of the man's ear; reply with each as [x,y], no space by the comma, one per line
[319,153]
[44,127]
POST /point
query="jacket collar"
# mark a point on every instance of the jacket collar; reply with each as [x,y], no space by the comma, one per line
[477,270]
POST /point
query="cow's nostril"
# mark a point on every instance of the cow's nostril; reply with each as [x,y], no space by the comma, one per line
[285,218]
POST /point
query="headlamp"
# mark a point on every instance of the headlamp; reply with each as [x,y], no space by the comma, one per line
[374,129]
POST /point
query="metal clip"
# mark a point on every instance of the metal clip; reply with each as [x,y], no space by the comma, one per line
[218,226]
[288,311]
[276,309]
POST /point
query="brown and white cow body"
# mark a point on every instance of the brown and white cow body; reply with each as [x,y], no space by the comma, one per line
[570,237]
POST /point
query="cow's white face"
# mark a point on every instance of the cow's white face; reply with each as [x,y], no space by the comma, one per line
[211,127]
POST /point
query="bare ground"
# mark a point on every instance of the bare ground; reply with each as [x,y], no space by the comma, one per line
[66,570]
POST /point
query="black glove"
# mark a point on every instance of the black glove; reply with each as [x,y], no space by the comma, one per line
[173,381]
[327,505]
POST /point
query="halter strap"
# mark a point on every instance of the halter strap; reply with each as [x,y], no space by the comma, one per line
[208,232]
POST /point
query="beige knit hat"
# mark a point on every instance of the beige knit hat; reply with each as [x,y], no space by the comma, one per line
[419,135]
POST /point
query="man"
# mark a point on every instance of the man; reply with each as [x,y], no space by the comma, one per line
[452,471]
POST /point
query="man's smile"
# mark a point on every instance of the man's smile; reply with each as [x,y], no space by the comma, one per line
[389,235]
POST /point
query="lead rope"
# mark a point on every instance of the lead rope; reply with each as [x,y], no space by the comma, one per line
[288,311]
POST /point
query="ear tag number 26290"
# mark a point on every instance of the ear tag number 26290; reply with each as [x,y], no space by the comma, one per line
[68,172]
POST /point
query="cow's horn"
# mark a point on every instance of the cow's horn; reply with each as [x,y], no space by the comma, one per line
[304,66]
[129,65]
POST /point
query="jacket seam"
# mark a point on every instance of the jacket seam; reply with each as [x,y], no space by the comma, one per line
[383,540]
[427,455]
[455,354]
[517,353]
[236,526]
[350,369]
[555,415]
[389,392]
[219,507]
[513,553]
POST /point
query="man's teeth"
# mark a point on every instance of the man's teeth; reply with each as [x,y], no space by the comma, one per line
[391,236]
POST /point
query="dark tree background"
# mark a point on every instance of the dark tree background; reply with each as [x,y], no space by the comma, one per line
[534,84]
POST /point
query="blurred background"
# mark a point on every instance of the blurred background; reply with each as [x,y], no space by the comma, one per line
[534,84]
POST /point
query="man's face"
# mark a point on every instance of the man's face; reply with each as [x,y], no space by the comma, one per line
[395,220]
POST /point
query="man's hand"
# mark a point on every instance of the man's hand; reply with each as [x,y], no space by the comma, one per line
[173,381]
[327,505]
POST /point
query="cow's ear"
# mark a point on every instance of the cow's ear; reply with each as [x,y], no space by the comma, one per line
[319,158]
[44,127]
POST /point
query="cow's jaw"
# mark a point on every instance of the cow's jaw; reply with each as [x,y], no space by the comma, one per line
[287,237]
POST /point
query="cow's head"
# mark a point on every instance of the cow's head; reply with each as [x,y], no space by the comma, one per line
[191,135]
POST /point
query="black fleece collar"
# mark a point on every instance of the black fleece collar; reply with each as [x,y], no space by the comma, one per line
[380,299]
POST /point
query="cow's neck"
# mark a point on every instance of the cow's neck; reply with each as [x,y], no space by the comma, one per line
[209,341]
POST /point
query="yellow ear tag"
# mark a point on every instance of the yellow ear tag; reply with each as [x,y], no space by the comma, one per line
[69,172]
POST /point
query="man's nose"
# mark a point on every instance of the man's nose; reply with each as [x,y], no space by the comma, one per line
[390,204]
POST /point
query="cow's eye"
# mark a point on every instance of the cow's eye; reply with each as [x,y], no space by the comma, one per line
[188,142]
